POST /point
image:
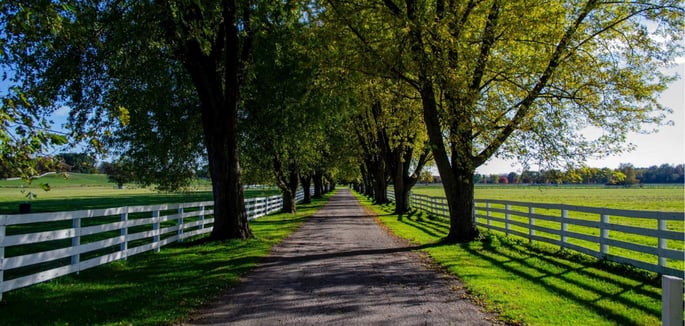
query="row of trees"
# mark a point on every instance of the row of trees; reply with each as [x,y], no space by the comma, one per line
[367,91]
[625,174]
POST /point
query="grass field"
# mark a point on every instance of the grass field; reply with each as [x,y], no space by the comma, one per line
[667,199]
[533,285]
[150,289]
[88,191]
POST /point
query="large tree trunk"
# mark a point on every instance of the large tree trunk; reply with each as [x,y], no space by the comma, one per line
[217,77]
[458,183]
[306,180]
[380,184]
[318,184]
[401,195]
[287,184]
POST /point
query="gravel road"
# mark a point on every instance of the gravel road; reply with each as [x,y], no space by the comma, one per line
[341,268]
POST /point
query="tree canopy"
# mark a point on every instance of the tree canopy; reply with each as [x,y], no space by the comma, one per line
[365,90]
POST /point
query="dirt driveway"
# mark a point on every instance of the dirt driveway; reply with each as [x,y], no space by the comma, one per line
[341,268]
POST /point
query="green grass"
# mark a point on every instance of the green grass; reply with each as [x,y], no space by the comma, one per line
[667,199]
[89,191]
[534,285]
[150,289]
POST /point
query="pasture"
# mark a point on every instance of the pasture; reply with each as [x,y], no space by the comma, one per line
[668,198]
[661,198]
[90,191]
[533,284]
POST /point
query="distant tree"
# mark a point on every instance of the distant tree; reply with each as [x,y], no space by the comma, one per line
[426,176]
[119,172]
[630,174]
[503,180]
[512,177]
[78,162]
[617,178]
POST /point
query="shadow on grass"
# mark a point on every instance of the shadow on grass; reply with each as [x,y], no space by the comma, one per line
[558,283]
[560,274]
[418,223]
[150,288]
[146,289]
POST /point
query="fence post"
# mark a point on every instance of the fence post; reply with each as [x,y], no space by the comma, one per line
[76,243]
[662,241]
[123,247]
[531,223]
[671,301]
[488,214]
[564,226]
[155,230]
[507,218]
[2,252]
[179,232]
[202,216]
[603,236]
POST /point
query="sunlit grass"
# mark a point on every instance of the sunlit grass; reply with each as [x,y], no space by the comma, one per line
[667,198]
[89,191]
[150,288]
[534,285]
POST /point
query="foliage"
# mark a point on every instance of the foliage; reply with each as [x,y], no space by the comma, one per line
[119,172]
[494,81]
[77,162]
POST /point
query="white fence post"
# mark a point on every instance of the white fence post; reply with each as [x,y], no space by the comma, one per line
[202,217]
[123,247]
[179,232]
[671,301]
[603,236]
[662,241]
[2,253]
[531,223]
[507,218]
[155,230]
[564,227]
[76,243]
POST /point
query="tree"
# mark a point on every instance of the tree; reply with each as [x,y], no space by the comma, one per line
[86,55]
[119,172]
[501,78]
[79,162]
[285,115]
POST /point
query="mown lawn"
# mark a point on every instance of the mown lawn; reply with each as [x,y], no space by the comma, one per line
[150,288]
[90,191]
[666,198]
[534,285]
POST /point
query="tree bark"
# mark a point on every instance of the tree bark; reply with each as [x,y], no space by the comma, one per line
[306,181]
[457,182]
[318,184]
[380,184]
[217,76]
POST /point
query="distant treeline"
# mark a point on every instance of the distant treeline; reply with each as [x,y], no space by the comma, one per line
[625,174]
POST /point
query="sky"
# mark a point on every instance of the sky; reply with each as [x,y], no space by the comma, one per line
[665,146]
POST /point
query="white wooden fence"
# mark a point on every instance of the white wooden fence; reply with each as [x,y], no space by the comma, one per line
[42,246]
[612,234]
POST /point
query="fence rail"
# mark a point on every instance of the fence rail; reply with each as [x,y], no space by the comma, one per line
[42,246]
[649,240]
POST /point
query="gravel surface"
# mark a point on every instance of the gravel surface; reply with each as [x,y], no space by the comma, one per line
[341,268]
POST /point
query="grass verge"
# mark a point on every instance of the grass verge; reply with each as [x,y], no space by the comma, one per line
[529,285]
[150,289]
